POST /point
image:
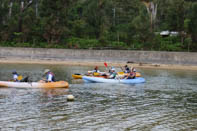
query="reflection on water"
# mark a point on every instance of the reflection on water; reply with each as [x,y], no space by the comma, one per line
[167,101]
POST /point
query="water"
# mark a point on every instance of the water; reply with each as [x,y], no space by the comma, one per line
[166,102]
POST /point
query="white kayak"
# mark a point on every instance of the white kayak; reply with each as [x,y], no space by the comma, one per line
[104,80]
[58,84]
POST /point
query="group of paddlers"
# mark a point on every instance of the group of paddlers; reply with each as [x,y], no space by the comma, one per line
[128,73]
[49,77]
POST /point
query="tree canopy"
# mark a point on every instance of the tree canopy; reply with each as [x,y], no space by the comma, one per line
[117,24]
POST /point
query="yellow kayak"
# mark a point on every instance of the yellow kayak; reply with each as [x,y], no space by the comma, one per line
[58,84]
[137,74]
[79,76]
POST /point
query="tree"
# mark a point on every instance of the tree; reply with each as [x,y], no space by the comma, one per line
[141,26]
[151,7]
[193,23]
[3,12]
[22,10]
[54,19]
[4,23]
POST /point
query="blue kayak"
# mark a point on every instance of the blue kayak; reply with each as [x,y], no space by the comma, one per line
[104,80]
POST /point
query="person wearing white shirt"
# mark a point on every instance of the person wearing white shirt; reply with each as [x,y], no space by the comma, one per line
[49,76]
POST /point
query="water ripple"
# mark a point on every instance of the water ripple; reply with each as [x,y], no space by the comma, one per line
[166,102]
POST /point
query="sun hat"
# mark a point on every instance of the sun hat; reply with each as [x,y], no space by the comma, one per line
[46,71]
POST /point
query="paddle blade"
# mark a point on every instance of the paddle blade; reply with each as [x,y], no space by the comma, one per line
[105,64]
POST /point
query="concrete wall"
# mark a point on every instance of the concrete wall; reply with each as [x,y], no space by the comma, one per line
[182,58]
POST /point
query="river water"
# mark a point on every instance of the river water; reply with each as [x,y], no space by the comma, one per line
[166,102]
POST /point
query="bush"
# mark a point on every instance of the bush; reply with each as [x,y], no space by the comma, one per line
[170,44]
[79,43]
[158,43]
[118,45]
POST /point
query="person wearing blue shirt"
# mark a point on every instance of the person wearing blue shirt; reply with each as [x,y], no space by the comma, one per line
[127,69]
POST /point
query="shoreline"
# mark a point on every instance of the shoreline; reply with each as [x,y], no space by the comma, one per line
[100,63]
[138,59]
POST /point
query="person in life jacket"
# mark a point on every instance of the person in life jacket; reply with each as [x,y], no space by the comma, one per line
[50,77]
[18,78]
[132,74]
[112,73]
[15,76]
[96,69]
[96,72]
[127,69]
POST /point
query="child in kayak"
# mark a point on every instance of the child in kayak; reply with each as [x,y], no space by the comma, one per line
[15,76]
[18,78]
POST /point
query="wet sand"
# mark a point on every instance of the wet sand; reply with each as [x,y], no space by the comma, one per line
[101,63]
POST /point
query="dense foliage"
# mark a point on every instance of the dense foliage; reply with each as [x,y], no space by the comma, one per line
[99,24]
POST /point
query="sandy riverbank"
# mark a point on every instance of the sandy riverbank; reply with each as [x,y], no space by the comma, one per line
[93,63]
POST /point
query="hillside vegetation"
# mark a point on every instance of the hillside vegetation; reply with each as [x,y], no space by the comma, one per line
[99,24]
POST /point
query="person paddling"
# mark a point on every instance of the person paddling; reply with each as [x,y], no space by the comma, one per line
[127,69]
[94,72]
[96,69]
[18,78]
[112,73]
[15,76]
[50,77]
[132,74]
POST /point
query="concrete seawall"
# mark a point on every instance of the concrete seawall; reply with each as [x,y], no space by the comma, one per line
[178,58]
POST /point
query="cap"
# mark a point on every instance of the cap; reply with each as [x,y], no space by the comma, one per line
[14,72]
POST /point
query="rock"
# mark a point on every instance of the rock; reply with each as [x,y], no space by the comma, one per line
[130,62]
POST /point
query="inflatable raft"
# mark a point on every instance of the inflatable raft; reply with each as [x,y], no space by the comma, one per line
[104,80]
[58,84]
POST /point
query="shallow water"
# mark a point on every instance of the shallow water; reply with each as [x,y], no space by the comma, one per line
[166,102]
